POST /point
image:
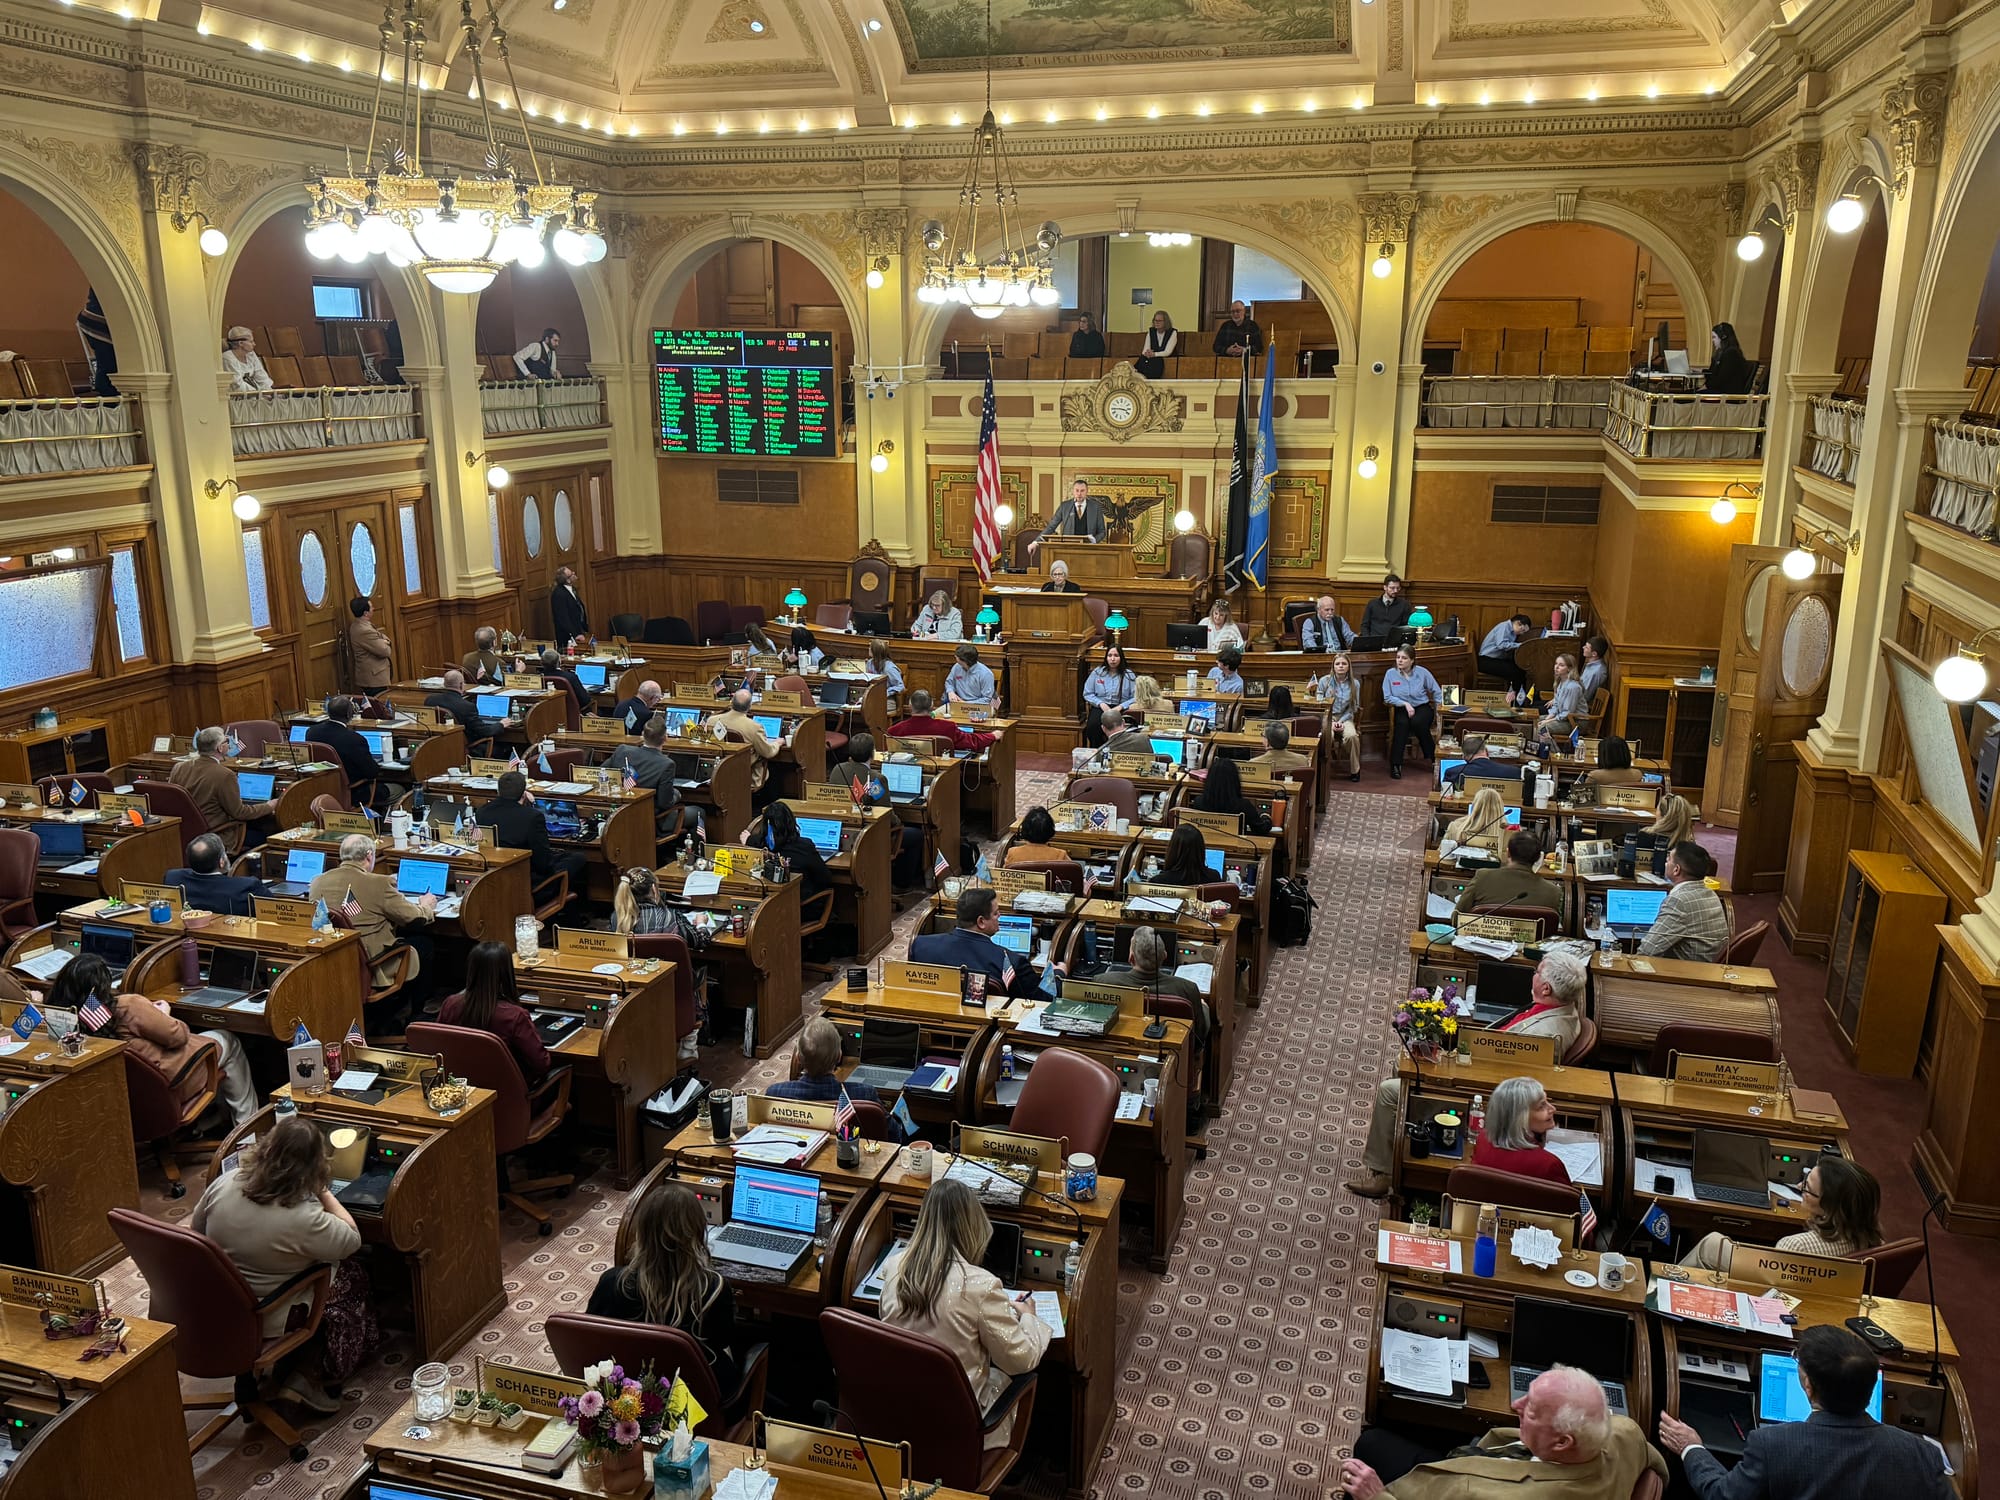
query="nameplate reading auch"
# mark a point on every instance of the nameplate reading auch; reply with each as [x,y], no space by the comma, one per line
[117,804]
[532,1390]
[527,682]
[348,822]
[595,728]
[806,1114]
[824,793]
[1510,1048]
[1007,884]
[926,979]
[282,909]
[593,944]
[1038,1151]
[138,893]
[1212,822]
[1763,1266]
[1722,1072]
[66,1294]
[1639,798]
[820,1450]
[1132,765]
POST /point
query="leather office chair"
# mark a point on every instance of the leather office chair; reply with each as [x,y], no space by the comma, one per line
[814,914]
[1064,874]
[218,1320]
[1709,1041]
[19,852]
[1117,790]
[1895,1263]
[256,734]
[742,617]
[520,1118]
[792,682]
[871,1120]
[1098,610]
[399,961]
[158,1116]
[627,625]
[1191,554]
[898,1386]
[1068,1095]
[92,783]
[711,621]
[578,1340]
[669,630]
[833,616]
[326,803]
[1742,949]
[1585,1044]
[671,947]
[169,801]
[1296,610]
[1649,1487]
[562,764]
[572,704]
[1545,918]
[1469,1184]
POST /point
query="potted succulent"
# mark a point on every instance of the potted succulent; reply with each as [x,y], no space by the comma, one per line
[614,1416]
[463,1404]
[488,1413]
[511,1415]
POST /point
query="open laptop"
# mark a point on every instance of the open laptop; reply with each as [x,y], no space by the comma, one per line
[888,1056]
[62,843]
[298,734]
[255,786]
[232,976]
[1446,765]
[591,674]
[1631,914]
[1547,1334]
[381,744]
[418,877]
[1213,859]
[824,833]
[302,867]
[1730,1167]
[835,694]
[114,944]
[1199,708]
[1503,992]
[772,1216]
[494,706]
[680,720]
[904,779]
[1780,1397]
[771,724]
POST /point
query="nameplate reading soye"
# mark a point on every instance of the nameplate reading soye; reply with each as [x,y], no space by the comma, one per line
[820,1450]
[1511,1048]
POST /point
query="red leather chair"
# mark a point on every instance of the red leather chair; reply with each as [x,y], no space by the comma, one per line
[871,1121]
[833,616]
[743,616]
[1064,874]
[1742,949]
[1116,790]
[520,1119]
[168,801]
[20,851]
[1510,1190]
[792,682]
[256,733]
[671,947]
[158,1115]
[326,803]
[562,764]
[711,620]
[579,1339]
[1585,1044]
[1068,1095]
[398,961]
[92,783]
[218,1320]
[1546,921]
[1895,1263]
[572,705]
[898,1386]
[1709,1041]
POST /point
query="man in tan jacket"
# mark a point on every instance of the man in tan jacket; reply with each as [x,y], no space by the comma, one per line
[736,719]
[211,786]
[483,662]
[374,657]
[1568,1447]
[1278,754]
[383,915]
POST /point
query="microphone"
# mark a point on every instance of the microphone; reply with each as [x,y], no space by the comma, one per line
[1934,1201]
[973,1161]
[833,1416]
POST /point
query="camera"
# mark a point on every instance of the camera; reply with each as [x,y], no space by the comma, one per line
[1378,367]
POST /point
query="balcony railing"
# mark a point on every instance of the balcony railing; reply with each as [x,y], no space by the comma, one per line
[540,405]
[331,416]
[69,435]
[1653,424]
[1959,477]
[1833,445]
[1517,401]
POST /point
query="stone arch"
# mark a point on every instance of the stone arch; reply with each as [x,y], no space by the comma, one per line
[664,282]
[1956,261]
[1862,167]
[1750,285]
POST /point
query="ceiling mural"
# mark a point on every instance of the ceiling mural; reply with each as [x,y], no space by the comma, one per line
[950,35]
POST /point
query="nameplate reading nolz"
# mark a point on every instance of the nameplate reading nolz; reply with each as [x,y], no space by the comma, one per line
[532,1390]
[930,979]
[820,1450]
[1510,1048]
[1760,1265]
[1723,1072]
[282,909]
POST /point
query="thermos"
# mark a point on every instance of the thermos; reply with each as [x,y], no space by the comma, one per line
[190,964]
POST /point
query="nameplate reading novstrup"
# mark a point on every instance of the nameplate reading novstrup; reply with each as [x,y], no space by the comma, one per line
[1760,1265]
[1722,1072]
[925,979]
[807,1114]
[65,1294]
[1511,1048]
[820,1450]
[532,1390]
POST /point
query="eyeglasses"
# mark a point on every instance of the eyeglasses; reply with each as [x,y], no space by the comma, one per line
[1807,1190]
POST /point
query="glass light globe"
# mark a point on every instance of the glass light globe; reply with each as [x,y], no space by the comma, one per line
[1382,266]
[595,248]
[376,233]
[530,253]
[985,292]
[437,237]
[214,242]
[1799,563]
[1960,678]
[1044,295]
[351,249]
[508,242]
[1367,468]
[1750,247]
[569,246]
[497,477]
[987,312]
[1722,512]
[1184,520]
[874,279]
[247,507]
[1846,214]
[323,240]
[1003,516]
[462,279]
[879,462]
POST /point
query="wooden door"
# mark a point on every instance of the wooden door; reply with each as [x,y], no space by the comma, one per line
[314,577]
[566,542]
[525,516]
[366,561]
[1777,650]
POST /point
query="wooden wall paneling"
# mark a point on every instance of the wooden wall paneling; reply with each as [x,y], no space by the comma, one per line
[823,526]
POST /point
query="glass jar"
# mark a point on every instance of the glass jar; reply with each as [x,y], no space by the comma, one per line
[527,936]
[430,1388]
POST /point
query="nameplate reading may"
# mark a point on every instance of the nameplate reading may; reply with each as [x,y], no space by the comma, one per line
[1722,1072]
[1509,1048]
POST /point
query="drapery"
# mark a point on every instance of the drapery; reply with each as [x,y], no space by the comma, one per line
[539,405]
[1836,429]
[63,437]
[337,416]
[1968,467]
[1674,426]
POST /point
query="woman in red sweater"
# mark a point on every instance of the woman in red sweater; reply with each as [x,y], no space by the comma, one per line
[1518,1119]
[491,1002]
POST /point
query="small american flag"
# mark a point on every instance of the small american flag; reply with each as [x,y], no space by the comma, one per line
[843,1114]
[1589,1228]
[513,759]
[942,865]
[1006,972]
[94,1015]
[349,907]
[355,1034]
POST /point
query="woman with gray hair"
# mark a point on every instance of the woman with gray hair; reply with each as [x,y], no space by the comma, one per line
[1519,1118]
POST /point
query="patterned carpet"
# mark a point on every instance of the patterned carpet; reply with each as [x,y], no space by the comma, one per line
[1241,1368]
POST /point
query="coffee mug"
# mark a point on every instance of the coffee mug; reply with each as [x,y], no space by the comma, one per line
[1420,1142]
[1612,1271]
[1152,1093]
[920,1155]
[1444,1130]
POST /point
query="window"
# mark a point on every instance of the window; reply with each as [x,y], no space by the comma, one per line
[413,562]
[131,619]
[531,525]
[340,299]
[1066,279]
[757,486]
[596,515]
[253,572]
[361,559]
[1255,277]
[48,624]
[493,525]
[1545,504]
[312,569]
[565,523]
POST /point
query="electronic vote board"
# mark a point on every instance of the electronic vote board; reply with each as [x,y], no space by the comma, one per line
[748,393]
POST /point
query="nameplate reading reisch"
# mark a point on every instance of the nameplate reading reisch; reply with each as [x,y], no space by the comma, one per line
[596,944]
[1178,894]
[1846,1280]
[807,1114]
[1044,1154]
[117,804]
[531,1390]
[1510,1048]
[282,909]
[1214,822]
[1008,884]
[1723,1072]
[139,893]
[928,979]
[65,1294]
[594,728]
[819,1450]
[349,822]
[822,793]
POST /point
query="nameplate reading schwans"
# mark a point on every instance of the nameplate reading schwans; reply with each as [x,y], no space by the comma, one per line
[1044,1154]
[1212,822]
[1722,1072]
[594,728]
[282,909]
[348,822]
[596,944]
[1007,884]
[532,1390]
[807,1114]
[117,804]
[820,1450]
[65,1294]
[826,794]
[526,682]
[1510,1048]
[1763,1266]
[138,893]
[925,979]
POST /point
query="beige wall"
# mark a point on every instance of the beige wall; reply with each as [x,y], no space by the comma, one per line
[45,286]
[1586,261]
[520,304]
[1172,271]
[272,283]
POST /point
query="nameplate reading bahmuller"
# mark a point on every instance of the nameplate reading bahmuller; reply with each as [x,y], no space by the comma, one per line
[1760,1265]
[1722,1072]
[66,1294]
[1511,1048]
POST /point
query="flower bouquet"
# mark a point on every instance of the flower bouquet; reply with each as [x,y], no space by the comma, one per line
[614,1416]
[1426,1024]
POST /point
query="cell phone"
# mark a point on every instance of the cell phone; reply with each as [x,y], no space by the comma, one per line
[1878,1338]
[1662,1183]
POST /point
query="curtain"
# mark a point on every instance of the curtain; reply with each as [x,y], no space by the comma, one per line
[1686,426]
[1580,401]
[67,436]
[275,421]
[1971,457]
[1837,438]
[511,406]
[535,405]
[371,414]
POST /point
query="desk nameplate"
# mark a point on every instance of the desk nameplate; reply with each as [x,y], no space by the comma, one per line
[1510,1048]
[594,728]
[1522,930]
[828,794]
[772,698]
[118,804]
[1722,1072]
[1761,1265]
[595,944]
[523,682]
[1007,884]
[532,1390]
[1132,765]
[283,909]
[807,1114]
[1213,822]
[922,979]
[835,1455]
[349,822]
[1465,1222]
[1130,1002]
[1040,1151]
[139,893]
[66,1294]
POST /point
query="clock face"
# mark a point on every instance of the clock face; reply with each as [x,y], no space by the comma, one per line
[1122,409]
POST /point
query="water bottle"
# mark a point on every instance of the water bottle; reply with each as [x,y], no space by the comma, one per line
[1007,1062]
[1475,1120]
[825,1230]
[1486,1249]
[1072,1267]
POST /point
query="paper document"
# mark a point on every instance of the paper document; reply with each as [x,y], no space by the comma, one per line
[1442,908]
[563,788]
[1785,1194]
[1645,1174]
[45,964]
[1048,1307]
[701,883]
[782,1145]
[1166,906]
[1533,1245]
[1485,947]
[1416,1363]
[1483,1344]
[1418,1251]
[250,1005]
[1030,1021]
[1203,976]
[81,867]
[356,1080]
[449,907]
[747,1484]
[1579,1151]
[1129,1106]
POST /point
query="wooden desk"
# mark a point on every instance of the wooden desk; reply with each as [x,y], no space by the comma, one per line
[542,713]
[293,788]
[720,770]
[122,852]
[761,970]
[493,885]
[1045,675]
[627,1049]
[103,1426]
[66,1152]
[1104,570]
[948,1029]
[862,895]
[867,707]
[72,745]
[624,839]
[441,1219]
[315,978]
[987,779]
[1584,1099]
[937,811]
[1254,856]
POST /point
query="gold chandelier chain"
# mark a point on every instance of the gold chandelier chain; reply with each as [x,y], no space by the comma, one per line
[498,36]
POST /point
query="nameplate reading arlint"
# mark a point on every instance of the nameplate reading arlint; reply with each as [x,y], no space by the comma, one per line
[925,979]
[1522,930]
[117,804]
[1510,1048]
[138,893]
[282,909]
[1044,1154]
[1213,822]
[1760,1265]
[820,1450]
[594,728]
[527,682]
[348,822]
[532,1390]
[807,1114]
[1722,1072]
[596,944]
[1132,765]
[826,793]
[66,1294]
[1008,884]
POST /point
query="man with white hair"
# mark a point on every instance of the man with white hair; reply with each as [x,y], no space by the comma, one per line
[383,915]
[213,789]
[1555,1009]
[240,363]
[1567,1447]
[483,663]
[637,709]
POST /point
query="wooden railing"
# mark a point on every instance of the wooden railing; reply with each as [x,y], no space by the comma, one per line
[1516,402]
[329,416]
[1657,424]
[1960,473]
[1833,442]
[540,405]
[69,435]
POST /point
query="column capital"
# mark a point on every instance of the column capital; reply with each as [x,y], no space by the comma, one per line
[147,385]
[1914,110]
[1812,385]
[427,376]
[1915,405]
[1385,217]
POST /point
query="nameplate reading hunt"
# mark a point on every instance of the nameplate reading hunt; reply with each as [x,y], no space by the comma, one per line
[820,1450]
[1510,1048]
[138,893]
[1007,884]
[595,728]
[1039,1151]
[924,979]
[1212,822]
[117,804]
[65,1294]
[525,682]
[1760,1265]
[593,944]
[807,1114]
[349,822]
[1722,1072]
[531,1390]
[1132,765]
[283,909]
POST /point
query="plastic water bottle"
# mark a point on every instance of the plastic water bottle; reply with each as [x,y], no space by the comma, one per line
[1007,1062]
[1072,1267]
[1475,1120]
[1486,1249]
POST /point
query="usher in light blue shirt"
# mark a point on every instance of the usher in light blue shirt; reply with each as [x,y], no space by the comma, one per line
[1110,689]
[1413,688]
[1500,641]
[1225,682]
[972,684]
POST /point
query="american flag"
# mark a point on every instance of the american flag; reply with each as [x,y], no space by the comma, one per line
[986,494]
[942,865]
[94,1015]
[843,1114]
[513,759]
[1006,972]
[349,907]
[1589,1229]
[355,1034]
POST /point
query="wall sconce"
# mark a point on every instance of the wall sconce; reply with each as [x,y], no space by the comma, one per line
[880,461]
[1724,509]
[497,477]
[246,505]
[876,273]
[1184,520]
[212,240]
[1384,261]
[1368,468]
[1751,246]
[1846,213]
[1801,562]
[1961,677]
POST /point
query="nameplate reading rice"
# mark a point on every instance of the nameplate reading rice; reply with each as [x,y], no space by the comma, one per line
[925,979]
[532,1390]
[1511,1048]
[819,1450]
[1722,1072]
[1762,1266]
[349,822]
[593,944]
[282,909]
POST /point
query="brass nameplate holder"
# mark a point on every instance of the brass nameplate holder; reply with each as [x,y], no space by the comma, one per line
[1038,1151]
[1723,1072]
[139,893]
[1174,722]
[523,682]
[480,765]
[1212,822]
[593,944]
[1081,817]
[1823,1275]
[807,1114]
[1464,1222]
[21,794]
[1178,894]
[403,1067]
[348,822]
[531,1390]
[64,1294]
[772,698]
[1007,884]
[1637,798]
[594,728]
[1486,700]
[117,804]
[1126,764]
[1129,1002]
[821,1450]
[1522,930]
[1509,789]
[1510,1049]
[922,979]
[284,909]
[827,794]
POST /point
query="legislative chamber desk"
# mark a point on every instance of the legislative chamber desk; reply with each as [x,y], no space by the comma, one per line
[63,749]
[624,838]
[90,1428]
[867,708]
[1252,856]
[626,1050]
[121,850]
[1584,1098]
[437,1234]
[66,1151]
[762,971]
[295,783]
[540,712]
[1045,674]
[862,897]
[937,810]
[313,978]
[492,885]
[987,776]
[1447,879]
[1289,798]
[427,741]
[712,776]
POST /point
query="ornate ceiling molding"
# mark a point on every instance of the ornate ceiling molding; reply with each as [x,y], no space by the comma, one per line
[1655,16]
[1914,110]
[1794,171]
[884,231]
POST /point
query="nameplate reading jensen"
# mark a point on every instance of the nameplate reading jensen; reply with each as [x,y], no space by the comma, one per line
[1763,1266]
[819,1450]
[807,1114]
[925,979]
[532,1390]
[485,766]
[593,944]
[1044,1154]
[1722,1072]
[1510,1048]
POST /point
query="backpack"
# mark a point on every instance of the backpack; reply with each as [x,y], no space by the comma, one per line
[1292,907]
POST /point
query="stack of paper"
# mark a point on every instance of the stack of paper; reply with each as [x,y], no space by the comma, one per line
[1048,1307]
[1422,1365]
[1533,1245]
[1579,1151]
[46,963]
[1129,1106]
[1203,976]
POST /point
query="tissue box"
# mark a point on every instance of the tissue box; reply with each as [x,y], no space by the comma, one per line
[681,1481]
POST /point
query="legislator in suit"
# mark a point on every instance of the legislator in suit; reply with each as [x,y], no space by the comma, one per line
[211,786]
[1081,515]
[374,658]
[566,608]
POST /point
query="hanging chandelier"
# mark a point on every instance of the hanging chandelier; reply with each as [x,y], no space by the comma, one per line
[954,270]
[457,227]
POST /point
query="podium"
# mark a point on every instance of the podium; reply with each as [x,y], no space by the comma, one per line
[1090,563]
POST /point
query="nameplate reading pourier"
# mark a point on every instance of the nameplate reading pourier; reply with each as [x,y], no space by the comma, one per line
[828,794]
[1511,1048]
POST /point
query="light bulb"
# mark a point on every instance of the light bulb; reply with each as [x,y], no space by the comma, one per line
[569,246]
[214,242]
[1846,214]
[1367,468]
[1799,563]
[1003,516]
[987,312]
[879,462]
[322,240]
[1184,520]
[874,280]
[497,477]
[351,249]
[594,249]
[247,507]
[1722,512]
[1960,678]
[1382,267]
[1045,295]
[1750,247]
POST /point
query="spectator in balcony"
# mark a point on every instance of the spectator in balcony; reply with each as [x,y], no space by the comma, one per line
[1087,342]
[95,331]
[240,363]
[1729,372]
[537,360]
[1240,335]
[1161,342]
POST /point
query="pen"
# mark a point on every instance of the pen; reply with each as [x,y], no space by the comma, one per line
[1736,1424]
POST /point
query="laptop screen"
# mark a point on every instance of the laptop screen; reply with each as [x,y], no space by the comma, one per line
[1213,859]
[1446,767]
[1016,934]
[1513,817]
[298,734]
[835,693]
[1507,986]
[381,743]
[1780,1398]
[680,720]
[771,724]
[301,865]
[1552,1333]
[1168,749]
[775,1200]
[233,969]
[255,786]
[415,877]
[590,674]
[890,1043]
[112,944]
[1632,908]
[61,840]
[1728,1158]
[1199,708]
[904,778]
[492,705]
[824,833]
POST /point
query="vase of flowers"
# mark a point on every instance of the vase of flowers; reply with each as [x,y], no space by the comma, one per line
[1426,1023]
[614,1416]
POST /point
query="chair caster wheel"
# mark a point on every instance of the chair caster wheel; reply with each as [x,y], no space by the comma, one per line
[177,1190]
[546,1230]
[298,1453]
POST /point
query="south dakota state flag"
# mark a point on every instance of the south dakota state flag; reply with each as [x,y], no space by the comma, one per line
[1263,477]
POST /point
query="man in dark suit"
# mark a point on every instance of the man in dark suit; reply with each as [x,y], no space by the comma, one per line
[1838,1453]
[1385,616]
[566,608]
[518,824]
[970,946]
[1473,748]
[346,746]
[553,672]
[1081,516]
[634,711]
[649,766]
[206,883]
[451,698]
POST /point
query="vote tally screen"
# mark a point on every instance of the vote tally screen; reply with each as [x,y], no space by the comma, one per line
[755,394]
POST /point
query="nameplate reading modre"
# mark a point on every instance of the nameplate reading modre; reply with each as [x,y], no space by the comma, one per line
[1509,1048]
[819,1450]
[757,394]
[1764,1266]
[1722,1072]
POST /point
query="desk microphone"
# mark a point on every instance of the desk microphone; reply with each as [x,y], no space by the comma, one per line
[1934,1201]
[833,1416]
[973,1161]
